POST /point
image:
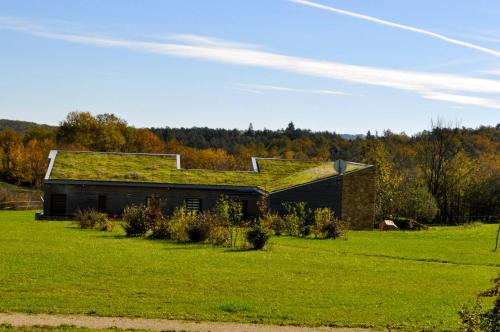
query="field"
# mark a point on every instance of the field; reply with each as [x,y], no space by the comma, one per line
[373,279]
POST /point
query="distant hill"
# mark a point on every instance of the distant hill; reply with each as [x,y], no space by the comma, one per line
[351,137]
[23,126]
[20,126]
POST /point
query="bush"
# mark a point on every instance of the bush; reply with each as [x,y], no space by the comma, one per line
[273,222]
[134,221]
[337,228]
[152,214]
[197,229]
[218,231]
[326,225]
[297,218]
[162,230]
[231,214]
[292,224]
[220,236]
[258,236]
[407,224]
[419,205]
[476,319]
[91,219]
[179,222]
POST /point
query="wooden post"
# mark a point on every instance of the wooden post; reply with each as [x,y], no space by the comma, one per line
[496,243]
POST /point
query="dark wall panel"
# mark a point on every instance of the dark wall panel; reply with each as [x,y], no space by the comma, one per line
[325,193]
[118,197]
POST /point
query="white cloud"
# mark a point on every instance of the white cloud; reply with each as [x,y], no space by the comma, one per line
[461,99]
[210,41]
[205,48]
[399,26]
[259,88]
[495,72]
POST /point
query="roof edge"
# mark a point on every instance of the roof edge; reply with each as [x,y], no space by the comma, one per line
[52,159]
[173,155]
[154,185]
[322,179]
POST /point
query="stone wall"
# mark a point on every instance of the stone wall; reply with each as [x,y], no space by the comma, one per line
[358,198]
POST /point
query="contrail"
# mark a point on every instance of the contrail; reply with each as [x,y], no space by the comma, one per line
[399,26]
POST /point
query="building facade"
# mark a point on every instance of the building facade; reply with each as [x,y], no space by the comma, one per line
[108,182]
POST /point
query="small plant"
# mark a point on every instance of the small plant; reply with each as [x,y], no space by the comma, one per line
[326,225]
[273,222]
[219,236]
[218,232]
[476,319]
[152,213]
[179,222]
[258,236]
[91,219]
[231,213]
[197,229]
[162,230]
[134,221]
[297,218]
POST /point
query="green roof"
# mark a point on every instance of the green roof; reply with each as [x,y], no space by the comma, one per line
[270,174]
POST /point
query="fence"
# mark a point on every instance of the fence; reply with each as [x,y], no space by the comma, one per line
[491,219]
[21,205]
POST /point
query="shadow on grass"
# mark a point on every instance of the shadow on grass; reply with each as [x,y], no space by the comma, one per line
[236,250]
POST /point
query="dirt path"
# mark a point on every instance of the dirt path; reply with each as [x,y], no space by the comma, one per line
[20,319]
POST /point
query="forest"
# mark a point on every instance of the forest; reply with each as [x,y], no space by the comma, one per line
[444,175]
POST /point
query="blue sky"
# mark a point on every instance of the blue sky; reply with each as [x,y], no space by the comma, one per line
[347,66]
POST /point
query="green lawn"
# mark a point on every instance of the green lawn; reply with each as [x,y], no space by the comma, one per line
[373,279]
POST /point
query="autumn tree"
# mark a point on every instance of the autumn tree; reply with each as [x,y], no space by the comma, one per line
[387,179]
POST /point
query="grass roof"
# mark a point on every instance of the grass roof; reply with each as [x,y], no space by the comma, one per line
[272,174]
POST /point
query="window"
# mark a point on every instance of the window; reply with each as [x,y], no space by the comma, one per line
[101,203]
[58,204]
[193,204]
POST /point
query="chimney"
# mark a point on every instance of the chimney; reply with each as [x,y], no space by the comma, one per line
[340,166]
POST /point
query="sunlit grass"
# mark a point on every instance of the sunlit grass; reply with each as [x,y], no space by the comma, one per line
[372,279]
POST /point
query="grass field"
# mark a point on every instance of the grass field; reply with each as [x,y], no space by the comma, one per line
[399,279]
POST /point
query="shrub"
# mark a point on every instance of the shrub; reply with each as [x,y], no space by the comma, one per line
[91,219]
[109,226]
[321,218]
[297,218]
[162,229]
[230,213]
[134,221]
[218,231]
[152,213]
[326,225]
[179,222]
[273,222]
[292,224]
[476,318]
[407,224]
[258,236]
[220,236]
[197,228]
[419,205]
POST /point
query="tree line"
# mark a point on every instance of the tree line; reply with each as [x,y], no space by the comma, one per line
[445,175]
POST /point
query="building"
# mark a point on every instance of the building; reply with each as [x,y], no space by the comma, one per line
[108,182]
